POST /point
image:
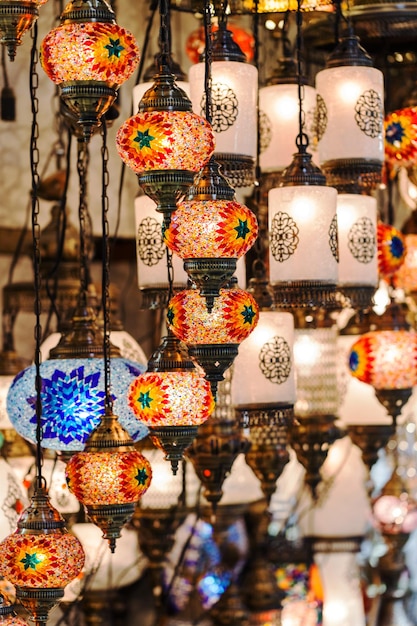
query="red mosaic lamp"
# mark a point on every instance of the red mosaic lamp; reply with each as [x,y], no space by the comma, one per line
[16,18]
[172,398]
[387,359]
[89,56]
[392,249]
[165,143]
[210,230]
[40,558]
[109,477]
[213,337]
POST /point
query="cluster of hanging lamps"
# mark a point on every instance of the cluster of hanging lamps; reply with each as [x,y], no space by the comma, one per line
[89,56]
[16,18]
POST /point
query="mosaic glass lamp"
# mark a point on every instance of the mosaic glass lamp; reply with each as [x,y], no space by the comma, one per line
[350,118]
[406,275]
[16,18]
[172,398]
[357,238]
[392,249]
[210,230]
[41,557]
[401,137]
[234,106]
[109,477]
[73,390]
[89,56]
[213,337]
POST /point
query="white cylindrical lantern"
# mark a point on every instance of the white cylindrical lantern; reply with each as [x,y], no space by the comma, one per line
[278,122]
[303,234]
[263,371]
[350,97]
[356,227]
[151,251]
[316,374]
[234,107]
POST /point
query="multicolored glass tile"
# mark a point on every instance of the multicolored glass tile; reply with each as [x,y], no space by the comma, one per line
[392,249]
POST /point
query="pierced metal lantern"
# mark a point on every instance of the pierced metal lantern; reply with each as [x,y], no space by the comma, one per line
[40,558]
[303,244]
[234,106]
[213,337]
[349,118]
[109,477]
[89,56]
[358,258]
[16,18]
[165,143]
[210,230]
[172,398]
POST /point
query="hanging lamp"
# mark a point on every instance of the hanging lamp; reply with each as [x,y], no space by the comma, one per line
[350,118]
[392,249]
[234,105]
[165,144]
[40,558]
[303,247]
[89,56]
[16,18]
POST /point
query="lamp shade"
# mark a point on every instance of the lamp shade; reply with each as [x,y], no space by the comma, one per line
[357,236]
[279,125]
[385,359]
[391,249]
[401,136]
[406,275]
[16,19]
[72,400]
[263,371]
[303,234]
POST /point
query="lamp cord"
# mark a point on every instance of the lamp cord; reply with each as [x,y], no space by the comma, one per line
[34,163]
[105,288]
[83,159]
[302,138]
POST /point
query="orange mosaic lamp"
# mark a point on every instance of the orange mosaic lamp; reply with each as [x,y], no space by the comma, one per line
[406,276]
[41,557]
[210,230]
[109,477]
[213,337]
[16,18]
[89,56]
[172,398]
[392,249]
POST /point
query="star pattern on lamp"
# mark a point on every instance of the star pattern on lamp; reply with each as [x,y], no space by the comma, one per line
[144,139]
[31,560]
[242,229]
[114,48]
[145,400]
[170,315]
[141,476]
[248,314]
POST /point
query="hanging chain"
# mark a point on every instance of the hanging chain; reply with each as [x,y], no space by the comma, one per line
[83,158]
[164,33]
[34,164]
[105,288]
[208,57]
[302,138]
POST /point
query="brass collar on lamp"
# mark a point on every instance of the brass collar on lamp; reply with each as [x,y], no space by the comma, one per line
[349,52]
[87,10]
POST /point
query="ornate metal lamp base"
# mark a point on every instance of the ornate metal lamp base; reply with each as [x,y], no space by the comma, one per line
[110,519]
[88,101]
[15,19]
[353,175]
[265,415]
[210,275]
[370,439]
[215,359]
[239,169]
[213,453]
[311,438]
[173,440]
[303,294]
[166,188]
[393,400]
[156,297]
[38,602]
[357,296]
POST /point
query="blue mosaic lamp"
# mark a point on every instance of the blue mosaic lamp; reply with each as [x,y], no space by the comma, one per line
[73,390]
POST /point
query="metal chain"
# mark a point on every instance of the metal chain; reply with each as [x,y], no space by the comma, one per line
[105,289]
[208,59]
[302,138]
[164,32]
[83,158]
[34,164]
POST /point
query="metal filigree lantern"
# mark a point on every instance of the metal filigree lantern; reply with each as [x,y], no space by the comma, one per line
[89,56]
[210,230]
[172,398]
[350,118]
